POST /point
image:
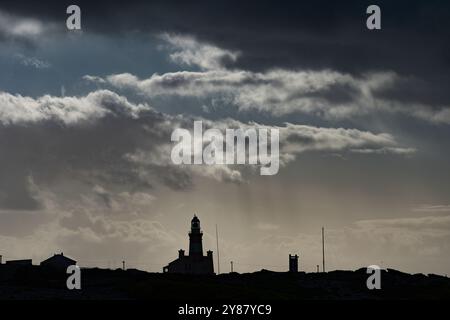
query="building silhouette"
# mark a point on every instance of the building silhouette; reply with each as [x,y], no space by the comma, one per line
[22,262]
[58,262]
[195,262]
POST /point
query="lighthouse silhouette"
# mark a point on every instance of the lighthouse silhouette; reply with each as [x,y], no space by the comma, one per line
[195,238]
[195,262]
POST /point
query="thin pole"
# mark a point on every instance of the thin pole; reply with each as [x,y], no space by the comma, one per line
[323,250]
[218,259]
[123,265]
[231,266]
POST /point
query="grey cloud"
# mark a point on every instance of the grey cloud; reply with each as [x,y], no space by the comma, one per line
[432,208]
[301,138]
[32,62]
[17,109]
[73,139]
[327,94]
[386,150]
[23,29]
[104,139]
[186,50]
[296,139]
[16,192]
[422,223]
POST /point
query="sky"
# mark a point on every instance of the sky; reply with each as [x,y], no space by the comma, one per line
[86,118]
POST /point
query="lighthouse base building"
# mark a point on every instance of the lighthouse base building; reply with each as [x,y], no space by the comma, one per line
[195,262]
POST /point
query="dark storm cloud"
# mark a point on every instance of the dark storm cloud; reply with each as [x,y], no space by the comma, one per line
[316,34]
[416,90]
[290,34]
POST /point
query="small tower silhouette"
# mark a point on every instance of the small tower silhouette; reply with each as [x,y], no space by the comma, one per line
[293,263]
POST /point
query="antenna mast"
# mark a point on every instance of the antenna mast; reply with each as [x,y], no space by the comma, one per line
[323,250]
[217,242]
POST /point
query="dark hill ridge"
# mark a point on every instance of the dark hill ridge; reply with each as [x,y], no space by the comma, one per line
[37,283]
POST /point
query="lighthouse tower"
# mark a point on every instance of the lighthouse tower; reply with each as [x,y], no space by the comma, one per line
[195,238]
[195,262]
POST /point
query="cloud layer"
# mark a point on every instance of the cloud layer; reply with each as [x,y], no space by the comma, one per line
[327,94]
[104,136]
